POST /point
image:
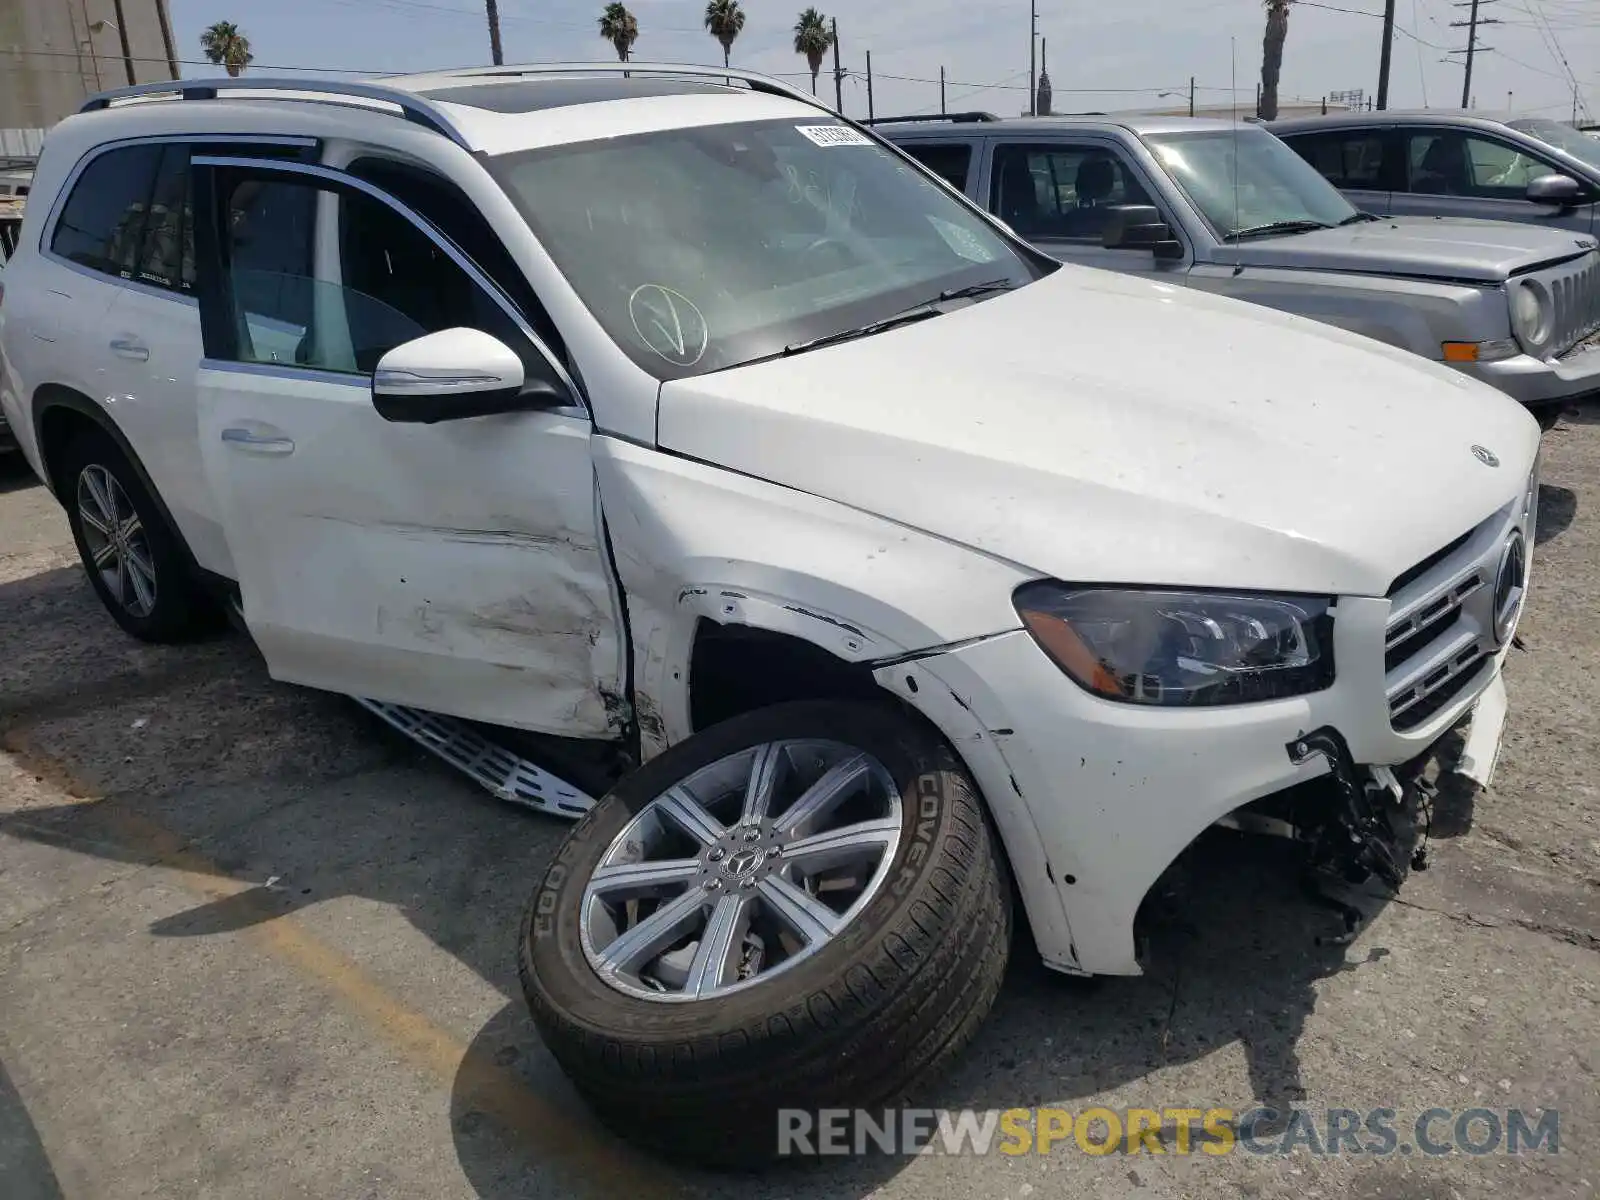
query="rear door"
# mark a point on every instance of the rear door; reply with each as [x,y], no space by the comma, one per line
[1364,164]
[458,566]
[152,331]
[1060,193]
[951,161]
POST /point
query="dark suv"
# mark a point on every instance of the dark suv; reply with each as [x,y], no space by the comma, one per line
[1500,168]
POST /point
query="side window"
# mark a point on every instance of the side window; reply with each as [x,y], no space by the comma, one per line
[102,224]
[1061,191]
[340,303]
[450,210]
[951,161]
[1350,158]
[1448,162]
[166,253]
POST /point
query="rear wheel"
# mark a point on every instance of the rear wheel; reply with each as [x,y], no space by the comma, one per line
[800,908]
[134,561]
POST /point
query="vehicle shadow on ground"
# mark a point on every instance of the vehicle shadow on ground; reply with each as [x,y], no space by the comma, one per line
[197,759]
[24,1166]
[15,474]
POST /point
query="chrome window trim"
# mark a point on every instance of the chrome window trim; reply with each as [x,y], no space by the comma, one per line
[288,371]
[426,228]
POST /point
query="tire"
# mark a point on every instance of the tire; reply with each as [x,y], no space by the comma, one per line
[877,1011]
[150,591]
[1549,417]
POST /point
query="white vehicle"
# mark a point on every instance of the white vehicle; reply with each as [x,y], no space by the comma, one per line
[670,412]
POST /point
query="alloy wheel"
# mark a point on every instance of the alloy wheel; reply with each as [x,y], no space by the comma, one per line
[114,537]
[740,871]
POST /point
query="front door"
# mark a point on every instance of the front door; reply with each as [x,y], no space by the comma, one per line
[1059,195]
[457,566]
[1453,173]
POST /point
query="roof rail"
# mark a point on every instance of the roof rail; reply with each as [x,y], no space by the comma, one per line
[754,80]
[417,109]
[959,118]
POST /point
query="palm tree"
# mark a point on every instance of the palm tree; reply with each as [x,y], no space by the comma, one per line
[224,45]
[1272,57]
[724,20]
[619,27]
[812,38]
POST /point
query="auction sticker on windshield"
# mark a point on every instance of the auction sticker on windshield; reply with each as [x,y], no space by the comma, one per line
[833,135]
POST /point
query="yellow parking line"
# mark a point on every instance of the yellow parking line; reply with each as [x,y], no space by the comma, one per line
[548,1131]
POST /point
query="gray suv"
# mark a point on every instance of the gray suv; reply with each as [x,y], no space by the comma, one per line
[1501,168]
[1228,208]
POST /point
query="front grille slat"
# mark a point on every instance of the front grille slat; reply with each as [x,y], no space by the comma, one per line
[1575,296]
[1440,636]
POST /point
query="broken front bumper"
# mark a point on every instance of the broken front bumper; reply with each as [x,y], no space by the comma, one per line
[1114,792]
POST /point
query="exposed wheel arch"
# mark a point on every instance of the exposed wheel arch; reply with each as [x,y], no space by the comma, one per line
[736,669]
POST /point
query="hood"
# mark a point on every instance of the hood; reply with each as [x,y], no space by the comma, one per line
[1421,247]
[1098,427]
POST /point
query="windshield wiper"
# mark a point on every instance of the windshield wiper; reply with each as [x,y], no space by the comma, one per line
[1271,227]
[1356,218]
[909,316]
[974,290]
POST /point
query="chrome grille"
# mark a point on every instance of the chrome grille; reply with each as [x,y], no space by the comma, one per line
[1576,296]
[1441,628]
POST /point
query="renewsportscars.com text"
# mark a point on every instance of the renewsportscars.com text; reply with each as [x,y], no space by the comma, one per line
[1377,1132]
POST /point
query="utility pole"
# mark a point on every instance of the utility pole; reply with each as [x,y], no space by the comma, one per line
[1471,26]
[1388,51]
[494,33]
[838,72]
[1033,36]
[127,50]
[870,113]
[164,18]
[941,92]
[1191,95]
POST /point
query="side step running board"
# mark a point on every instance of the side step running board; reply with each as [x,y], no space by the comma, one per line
[504,774]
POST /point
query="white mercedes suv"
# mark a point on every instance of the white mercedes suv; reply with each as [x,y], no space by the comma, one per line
[901,568]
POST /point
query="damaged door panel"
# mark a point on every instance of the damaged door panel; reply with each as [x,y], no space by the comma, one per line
[455,567]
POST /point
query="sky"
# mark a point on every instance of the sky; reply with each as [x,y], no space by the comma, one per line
[1102,57]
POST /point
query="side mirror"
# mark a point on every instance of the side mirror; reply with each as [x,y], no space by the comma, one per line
[1559,190]
[1140,227]
[455,374]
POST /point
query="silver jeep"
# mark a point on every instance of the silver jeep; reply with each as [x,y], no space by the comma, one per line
[1229,208]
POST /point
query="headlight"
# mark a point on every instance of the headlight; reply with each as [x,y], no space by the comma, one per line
[1176,648]
[1532,315]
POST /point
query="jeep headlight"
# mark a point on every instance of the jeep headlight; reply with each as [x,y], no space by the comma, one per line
[1182,648]
[1532,315]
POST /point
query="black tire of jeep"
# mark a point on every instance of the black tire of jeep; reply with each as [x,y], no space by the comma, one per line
[881,1010]
[182,610]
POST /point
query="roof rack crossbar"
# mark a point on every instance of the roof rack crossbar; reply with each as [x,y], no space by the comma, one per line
[416,109]
[754,80]
[956,118]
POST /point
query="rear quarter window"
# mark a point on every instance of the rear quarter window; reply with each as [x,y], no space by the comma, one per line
[102,224]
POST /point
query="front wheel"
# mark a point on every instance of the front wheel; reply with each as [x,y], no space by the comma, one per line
[799,908]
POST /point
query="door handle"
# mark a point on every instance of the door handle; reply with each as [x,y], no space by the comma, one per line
[251,442]
[130,348]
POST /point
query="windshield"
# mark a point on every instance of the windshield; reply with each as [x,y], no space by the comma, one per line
[700,249]
[1563,137]
[1246,180]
